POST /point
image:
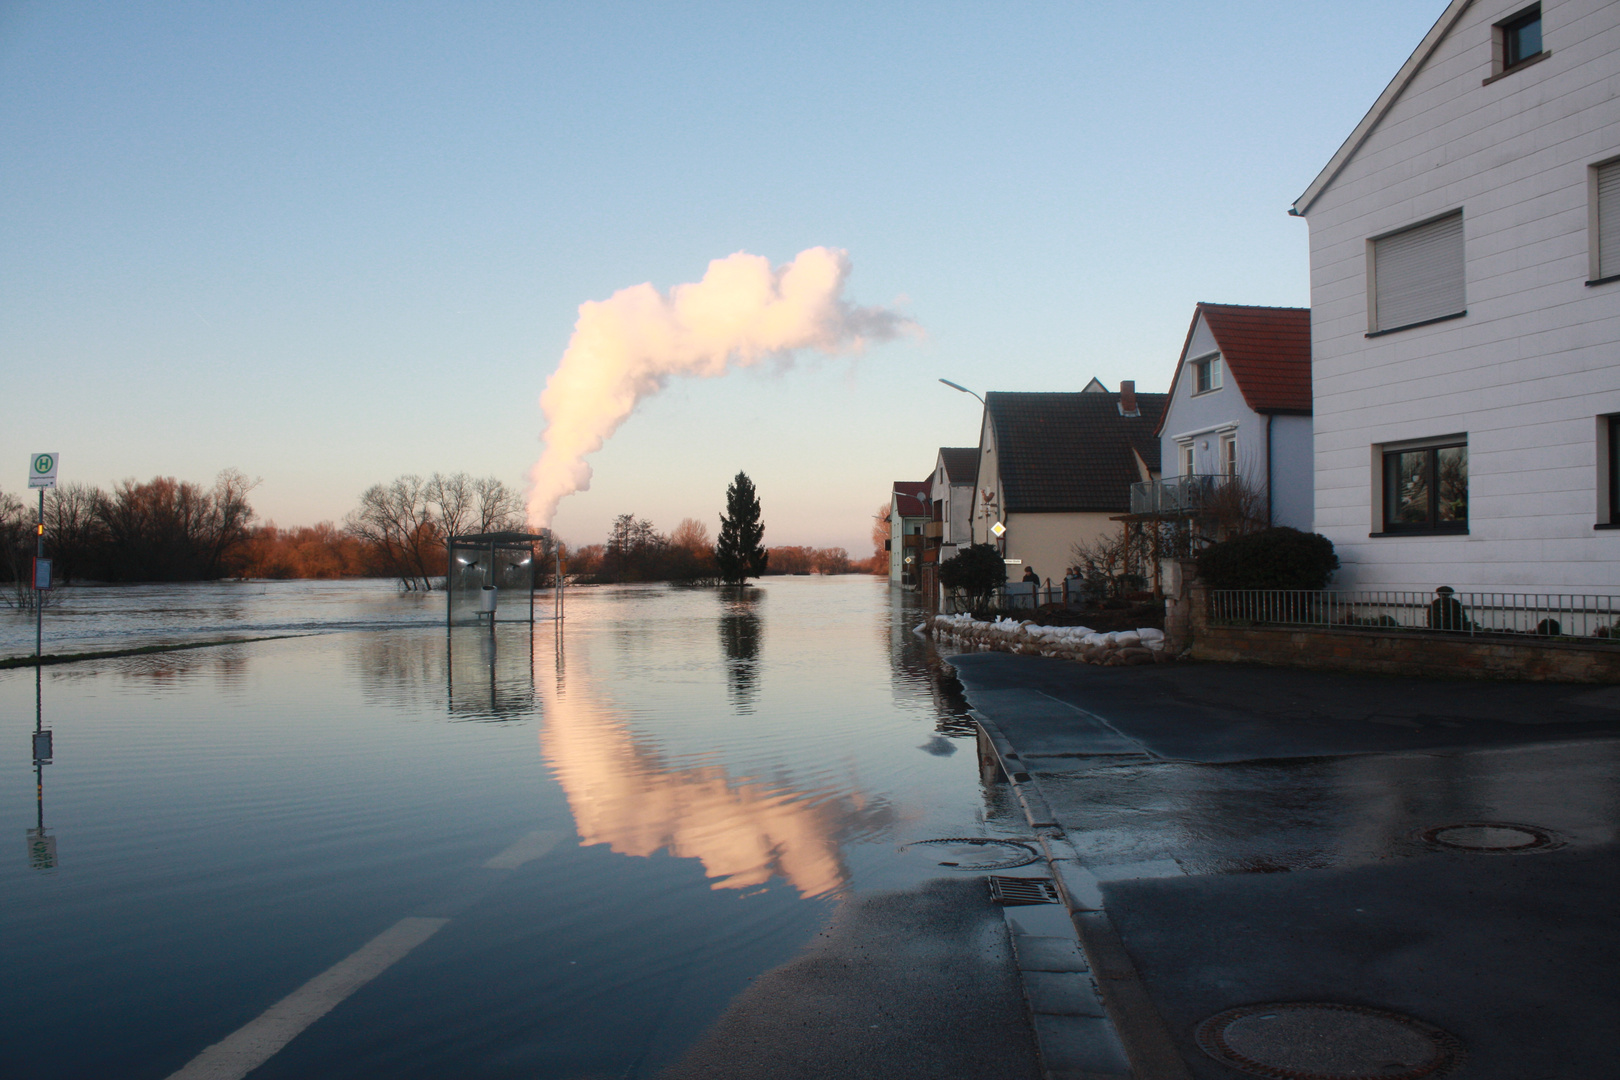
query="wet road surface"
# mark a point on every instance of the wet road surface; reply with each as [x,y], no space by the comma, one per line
[1270,836]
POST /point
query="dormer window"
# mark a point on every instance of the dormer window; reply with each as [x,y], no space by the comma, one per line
[1516,42]
[1207,374]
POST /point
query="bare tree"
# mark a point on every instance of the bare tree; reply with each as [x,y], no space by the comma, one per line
[500,509]
[73,530]
[692,536]
[454,498]
[398,523]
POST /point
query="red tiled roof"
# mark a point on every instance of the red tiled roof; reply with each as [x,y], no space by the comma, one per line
[1267,351]
[911,498]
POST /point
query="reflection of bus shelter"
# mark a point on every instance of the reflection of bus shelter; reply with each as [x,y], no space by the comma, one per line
[482,566]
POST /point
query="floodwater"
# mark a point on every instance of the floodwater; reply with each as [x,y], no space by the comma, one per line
[568,850]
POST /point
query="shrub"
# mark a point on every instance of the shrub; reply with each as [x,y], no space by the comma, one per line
[1280,558]
[978,570]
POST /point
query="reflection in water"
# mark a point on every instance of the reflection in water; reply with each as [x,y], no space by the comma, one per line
[740,636]
[490,676]
[625,795]
[41,846]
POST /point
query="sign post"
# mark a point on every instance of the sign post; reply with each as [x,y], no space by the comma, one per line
[41,475]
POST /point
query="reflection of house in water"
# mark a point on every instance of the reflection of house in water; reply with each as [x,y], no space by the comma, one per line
[740,634]
[744,832]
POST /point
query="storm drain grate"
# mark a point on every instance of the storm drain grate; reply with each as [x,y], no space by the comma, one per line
[1490,838]
[978,852]
[1023,890]
[1328,1041]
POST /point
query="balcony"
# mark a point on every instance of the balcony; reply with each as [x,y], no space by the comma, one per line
[934,529]
[1176,494]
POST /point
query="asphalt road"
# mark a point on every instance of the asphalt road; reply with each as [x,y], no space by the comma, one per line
[1266,835]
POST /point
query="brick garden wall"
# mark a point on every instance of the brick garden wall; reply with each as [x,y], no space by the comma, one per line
[1410,652]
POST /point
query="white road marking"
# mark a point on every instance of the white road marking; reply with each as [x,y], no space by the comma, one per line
[260,1039]
[526,849]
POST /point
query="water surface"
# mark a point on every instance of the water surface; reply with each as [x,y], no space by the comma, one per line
[623,822]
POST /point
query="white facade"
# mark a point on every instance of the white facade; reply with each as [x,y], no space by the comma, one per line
[1526,378]
[1214,432]
[955,497]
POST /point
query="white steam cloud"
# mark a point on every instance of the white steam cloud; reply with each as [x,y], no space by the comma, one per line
[626,348]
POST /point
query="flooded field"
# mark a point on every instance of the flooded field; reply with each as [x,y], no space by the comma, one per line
[568,850]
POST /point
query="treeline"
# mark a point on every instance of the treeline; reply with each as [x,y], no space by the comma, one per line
[174,530]
[162,530]
[636,551]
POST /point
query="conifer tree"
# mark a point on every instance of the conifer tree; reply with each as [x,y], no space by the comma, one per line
[738,551]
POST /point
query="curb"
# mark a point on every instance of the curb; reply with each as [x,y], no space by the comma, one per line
[1092,1016]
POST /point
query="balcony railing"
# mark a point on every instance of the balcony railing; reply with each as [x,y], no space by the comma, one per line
[1176,494]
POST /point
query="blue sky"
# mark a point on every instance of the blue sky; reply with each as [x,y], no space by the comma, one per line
[331,243]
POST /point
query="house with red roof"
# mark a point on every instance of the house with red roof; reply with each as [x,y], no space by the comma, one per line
[1239,407]
[909,512]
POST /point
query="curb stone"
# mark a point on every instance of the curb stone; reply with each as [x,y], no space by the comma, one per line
[1092,1016]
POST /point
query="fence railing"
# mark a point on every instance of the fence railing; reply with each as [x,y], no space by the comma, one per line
[1532,614]
[1175,494]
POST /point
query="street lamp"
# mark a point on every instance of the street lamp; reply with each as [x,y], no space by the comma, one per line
[964,389]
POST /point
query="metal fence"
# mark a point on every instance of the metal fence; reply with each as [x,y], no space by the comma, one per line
[1532,614]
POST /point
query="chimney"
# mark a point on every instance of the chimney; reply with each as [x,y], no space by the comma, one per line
[1127,398]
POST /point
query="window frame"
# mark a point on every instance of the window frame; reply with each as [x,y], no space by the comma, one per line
[1608,472]
[1374,326]
[1594,220]
[1229,454]
[1505,37]
[1189,459]
[1206,374]
[1388,457]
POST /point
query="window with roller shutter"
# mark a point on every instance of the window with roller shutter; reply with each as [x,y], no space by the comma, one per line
[1417,275]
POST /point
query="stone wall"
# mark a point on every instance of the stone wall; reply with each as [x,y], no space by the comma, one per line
[1409,652]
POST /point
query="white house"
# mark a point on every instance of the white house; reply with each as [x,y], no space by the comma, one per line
[951,493]
[908,514]
[1240,405]
[1465,310]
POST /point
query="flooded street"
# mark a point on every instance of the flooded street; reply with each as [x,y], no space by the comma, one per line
[568,851]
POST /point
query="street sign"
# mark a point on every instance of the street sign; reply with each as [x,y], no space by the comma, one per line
[42,573]
[999,529]
[42,470]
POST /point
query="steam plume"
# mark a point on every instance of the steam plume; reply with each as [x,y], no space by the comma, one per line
[626,348]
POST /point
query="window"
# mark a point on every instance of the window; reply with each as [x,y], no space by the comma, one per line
[1187,459]
[1604,202]
[1609,472]
[1520,38]
[1229,457]
[1207,374]
[1426,489]
[1417,275]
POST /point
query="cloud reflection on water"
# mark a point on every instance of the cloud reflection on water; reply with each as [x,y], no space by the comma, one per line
[625,794]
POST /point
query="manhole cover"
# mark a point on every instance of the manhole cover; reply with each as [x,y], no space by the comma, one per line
[977,853]
[1326,1041]
[1023,890]
[1490,837]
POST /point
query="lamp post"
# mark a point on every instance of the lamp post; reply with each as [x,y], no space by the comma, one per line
[965,390]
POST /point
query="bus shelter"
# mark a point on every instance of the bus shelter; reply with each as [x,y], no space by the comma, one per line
[487,575]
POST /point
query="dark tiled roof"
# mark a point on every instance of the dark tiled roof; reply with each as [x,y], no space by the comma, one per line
[961,463]
[911,497]
[1071,453]
[1267,351]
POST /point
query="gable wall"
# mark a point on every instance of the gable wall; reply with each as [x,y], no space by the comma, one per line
[1526,372]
